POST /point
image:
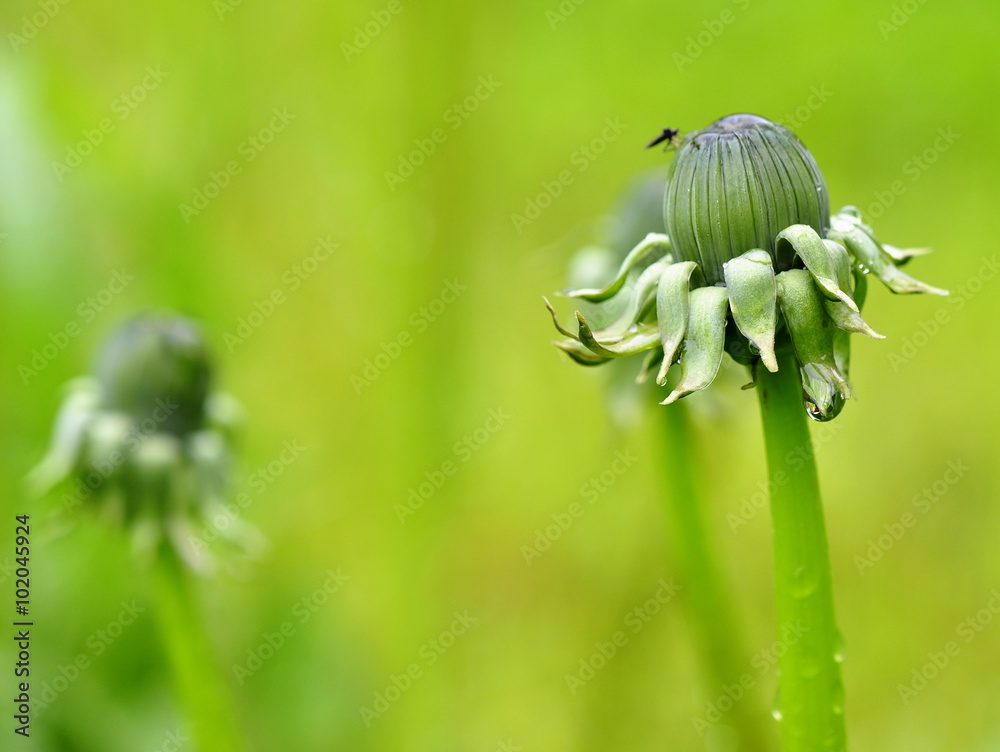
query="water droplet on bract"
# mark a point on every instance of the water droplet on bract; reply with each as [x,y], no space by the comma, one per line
[838,698]
[813,410]
[804,582]
[776,710]
[838,649]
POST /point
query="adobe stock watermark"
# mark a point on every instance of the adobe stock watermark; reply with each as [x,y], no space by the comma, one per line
[914,168]
[174,741]
[454,117]
[938,660]
[229,514]
[88,310]
[795,459]
[814,102]
[98,643]
[696,44]
[901,14]
[427,655]
[122,108]
[761,664]
[301,612]
[928,329]
[591,491]
[248,150]
[6,570]
[561,13]
[104,468]
[224,7]
[633,623]
[32,24]
[366,32]
[419,322]
[291,280]
[923,502]
[580,161]
[463,450]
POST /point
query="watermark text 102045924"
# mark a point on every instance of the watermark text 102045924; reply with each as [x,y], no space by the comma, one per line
[22,627]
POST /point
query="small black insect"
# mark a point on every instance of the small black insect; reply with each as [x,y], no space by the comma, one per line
[669,134]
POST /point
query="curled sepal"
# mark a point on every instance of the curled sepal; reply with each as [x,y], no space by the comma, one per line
[902,255]
[753,300]
[827,269]
[703,345]
[578,352]
[555,320]
[848,320]
[849,217]
[812,336]
[672,306]
[871,255]
[860,286]
[842,266]
[844,317]
[652,248]
[641,338]
[640,299]
[69,438]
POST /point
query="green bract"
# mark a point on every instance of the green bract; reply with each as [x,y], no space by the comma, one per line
[147,442]
[751,256]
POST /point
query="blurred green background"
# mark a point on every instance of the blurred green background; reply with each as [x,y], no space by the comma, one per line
[202,150]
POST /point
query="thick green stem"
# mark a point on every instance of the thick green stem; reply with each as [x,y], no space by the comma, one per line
[705,593]
[199,686]
[811,694]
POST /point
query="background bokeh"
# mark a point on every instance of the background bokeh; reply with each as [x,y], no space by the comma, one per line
[202,150]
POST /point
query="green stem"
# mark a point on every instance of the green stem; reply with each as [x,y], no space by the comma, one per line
[705,593]
[201,691]
[810,689]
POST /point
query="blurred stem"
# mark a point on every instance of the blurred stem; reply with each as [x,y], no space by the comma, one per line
[706,595]
[810,688]
[199,686]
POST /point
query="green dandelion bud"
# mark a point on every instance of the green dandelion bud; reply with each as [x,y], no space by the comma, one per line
[155,360]
[734,186]
[146,442]
[751,261]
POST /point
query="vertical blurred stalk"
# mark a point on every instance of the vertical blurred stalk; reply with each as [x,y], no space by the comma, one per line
[435,66]
[811,700]
[203,695]
[708,599]
[438,63]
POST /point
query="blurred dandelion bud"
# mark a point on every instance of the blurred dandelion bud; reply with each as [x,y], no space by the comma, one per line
[147,443]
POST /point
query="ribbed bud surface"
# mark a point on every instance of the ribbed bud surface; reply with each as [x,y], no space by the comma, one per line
[734,186]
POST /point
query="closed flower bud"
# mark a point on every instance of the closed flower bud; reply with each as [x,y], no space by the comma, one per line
[156,360]
[751,261]
[147,443]
[734,186]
